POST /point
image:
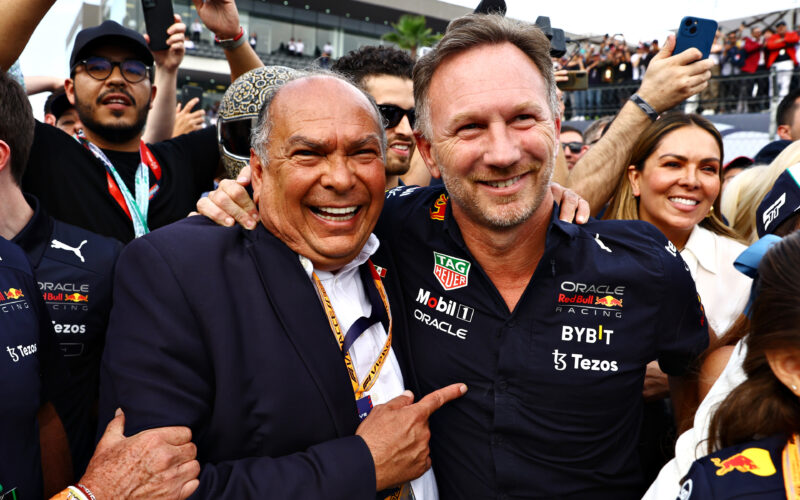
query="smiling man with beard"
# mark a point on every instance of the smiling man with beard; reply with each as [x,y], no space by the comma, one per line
[385,73]
[110,181]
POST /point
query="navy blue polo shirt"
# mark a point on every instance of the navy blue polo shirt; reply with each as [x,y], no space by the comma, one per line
[74,269]
[29,373]
[554,403]
[752,470]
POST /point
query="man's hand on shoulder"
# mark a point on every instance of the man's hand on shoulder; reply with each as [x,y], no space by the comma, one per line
[397,435]
[573,207]
[230,203]
[153,464]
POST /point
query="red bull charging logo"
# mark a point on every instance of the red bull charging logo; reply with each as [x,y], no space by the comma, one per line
[76,297]
[754,460]
[608,301]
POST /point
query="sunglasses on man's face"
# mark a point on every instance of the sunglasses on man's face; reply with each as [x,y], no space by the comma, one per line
[574,147]
[100,68]
[392,115]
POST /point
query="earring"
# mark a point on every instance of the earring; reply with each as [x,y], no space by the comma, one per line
[794,387]
[710,212]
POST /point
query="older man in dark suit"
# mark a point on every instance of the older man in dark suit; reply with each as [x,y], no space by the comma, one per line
[275,345]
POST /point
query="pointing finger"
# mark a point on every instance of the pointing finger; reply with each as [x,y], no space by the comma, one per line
[439,397]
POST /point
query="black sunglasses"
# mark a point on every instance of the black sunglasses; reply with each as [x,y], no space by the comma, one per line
[575,147]
[393,114]
[100,68]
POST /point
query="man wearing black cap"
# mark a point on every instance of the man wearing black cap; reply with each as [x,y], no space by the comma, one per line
[111,182]
[59,112]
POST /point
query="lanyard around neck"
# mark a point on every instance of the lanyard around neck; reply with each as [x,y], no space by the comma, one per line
[359,388]
[135,208]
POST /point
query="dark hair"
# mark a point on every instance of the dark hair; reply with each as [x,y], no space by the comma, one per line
[624,206]
[567,128]
[374,60]
[16,124]
[476,30]
[787,107]
[762,405]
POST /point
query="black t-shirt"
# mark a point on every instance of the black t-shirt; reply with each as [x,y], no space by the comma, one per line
[31,372]
[554,404]
[71,183]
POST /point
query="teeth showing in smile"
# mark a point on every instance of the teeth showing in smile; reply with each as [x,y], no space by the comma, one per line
[116,101]
[684,201]
[502,184]
[336,214]
[401,147]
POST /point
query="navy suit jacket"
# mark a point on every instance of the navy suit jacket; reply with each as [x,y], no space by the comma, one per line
[221,330]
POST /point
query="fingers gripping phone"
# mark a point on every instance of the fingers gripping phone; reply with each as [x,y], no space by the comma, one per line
[158,16]
[576,80]
[695,32]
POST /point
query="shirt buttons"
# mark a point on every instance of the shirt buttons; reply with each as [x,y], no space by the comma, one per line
[501,385]
[496,439]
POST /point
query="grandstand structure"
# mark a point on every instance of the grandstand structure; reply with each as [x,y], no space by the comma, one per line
[344,24]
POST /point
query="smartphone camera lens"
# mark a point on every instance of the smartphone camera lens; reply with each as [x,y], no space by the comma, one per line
[693,30]
[688,22]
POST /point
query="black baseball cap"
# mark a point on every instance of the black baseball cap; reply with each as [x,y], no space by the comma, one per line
[780,203]
[56,104]
[110,33]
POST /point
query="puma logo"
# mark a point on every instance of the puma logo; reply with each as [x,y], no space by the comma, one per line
[63,246]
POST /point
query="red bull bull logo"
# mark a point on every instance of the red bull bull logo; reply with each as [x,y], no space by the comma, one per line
[76,297]
[753,460]
[14,293]
[608,301]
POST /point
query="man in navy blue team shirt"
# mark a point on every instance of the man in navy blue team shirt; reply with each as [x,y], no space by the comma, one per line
[551,325]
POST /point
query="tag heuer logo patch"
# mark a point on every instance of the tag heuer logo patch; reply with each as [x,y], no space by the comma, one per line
[451,272]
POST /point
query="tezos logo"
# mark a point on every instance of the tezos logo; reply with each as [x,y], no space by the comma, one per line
[451,272]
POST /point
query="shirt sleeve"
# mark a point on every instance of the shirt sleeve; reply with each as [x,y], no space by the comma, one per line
[683,328]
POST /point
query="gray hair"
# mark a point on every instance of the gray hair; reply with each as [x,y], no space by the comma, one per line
[474,30]
[259,136]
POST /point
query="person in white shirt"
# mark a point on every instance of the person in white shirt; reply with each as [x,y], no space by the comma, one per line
[674,183]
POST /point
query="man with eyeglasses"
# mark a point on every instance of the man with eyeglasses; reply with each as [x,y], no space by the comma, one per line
[385,74]
[109,181]
[572,143]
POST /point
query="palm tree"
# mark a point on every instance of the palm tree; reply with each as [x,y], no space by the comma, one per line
[410,33]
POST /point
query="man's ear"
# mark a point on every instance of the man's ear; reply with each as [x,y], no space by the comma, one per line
[69,89]
[256,174]
[50,119]
[424,148]
[784,132]
[635,177]
[5,157]
[152,96]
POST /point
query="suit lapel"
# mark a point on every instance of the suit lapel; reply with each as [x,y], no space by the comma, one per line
[298,308]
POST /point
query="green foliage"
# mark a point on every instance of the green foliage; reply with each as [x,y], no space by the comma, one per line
[410,32]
